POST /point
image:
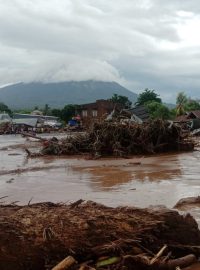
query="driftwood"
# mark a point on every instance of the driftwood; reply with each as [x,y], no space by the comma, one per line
[159,254]
[180,262]
[65,264]
[25,134]
[42,235]
[118,139]
[143,261]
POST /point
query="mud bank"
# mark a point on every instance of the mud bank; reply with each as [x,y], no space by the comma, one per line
[41,235]
[187,203]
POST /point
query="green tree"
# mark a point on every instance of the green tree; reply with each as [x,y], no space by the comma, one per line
[158,110]
[4,108]
[23,111]
[123,100]
[173,113]
[185,104]
[192,105]
[146,96]
[46,109]
[56,112]
[181,101]
[68,112]
[181,98]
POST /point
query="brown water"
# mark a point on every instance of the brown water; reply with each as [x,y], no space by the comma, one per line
[139,181]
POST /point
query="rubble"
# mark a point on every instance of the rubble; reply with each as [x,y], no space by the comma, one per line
[122,139]
[86,235]
[5,128]
[196,132]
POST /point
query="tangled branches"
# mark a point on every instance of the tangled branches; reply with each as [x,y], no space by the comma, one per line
[122,139]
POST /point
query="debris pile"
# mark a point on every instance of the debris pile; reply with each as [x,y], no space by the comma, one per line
[122,139]
[5,128]
[95,237]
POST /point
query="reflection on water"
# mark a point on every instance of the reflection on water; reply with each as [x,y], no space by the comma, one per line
[108,177]
[115,174]
[138,181]
[157,175]
[105,178]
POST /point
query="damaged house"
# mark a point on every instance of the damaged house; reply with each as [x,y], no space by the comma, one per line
[95,111]
[192,118]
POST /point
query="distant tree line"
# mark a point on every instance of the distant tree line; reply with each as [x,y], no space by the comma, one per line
[148,98]
[4,108]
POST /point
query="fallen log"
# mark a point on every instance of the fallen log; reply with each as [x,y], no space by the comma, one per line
[25,134]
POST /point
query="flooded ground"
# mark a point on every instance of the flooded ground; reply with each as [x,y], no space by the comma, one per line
[139,181]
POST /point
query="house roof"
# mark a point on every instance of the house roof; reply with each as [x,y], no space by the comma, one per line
[141,112]
[31,122]
[24,115]
[4,117]
[36,112]
[99,103]
[195,113]
[188,116]
[182,118]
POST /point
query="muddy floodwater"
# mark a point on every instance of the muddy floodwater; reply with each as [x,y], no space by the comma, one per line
[138,181]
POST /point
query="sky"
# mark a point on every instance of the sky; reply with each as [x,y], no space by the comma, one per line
[140,44]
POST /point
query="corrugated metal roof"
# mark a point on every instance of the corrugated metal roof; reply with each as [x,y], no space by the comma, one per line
[24,115]
[5,118]
[141,112]
[31,122]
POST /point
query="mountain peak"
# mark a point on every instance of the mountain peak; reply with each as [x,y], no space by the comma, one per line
[58,94]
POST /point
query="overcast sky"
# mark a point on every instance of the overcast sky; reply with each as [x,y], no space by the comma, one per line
[138,43]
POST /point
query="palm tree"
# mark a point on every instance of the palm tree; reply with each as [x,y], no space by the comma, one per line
[181,101]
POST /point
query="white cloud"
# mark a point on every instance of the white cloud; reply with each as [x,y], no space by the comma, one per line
[146,43]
